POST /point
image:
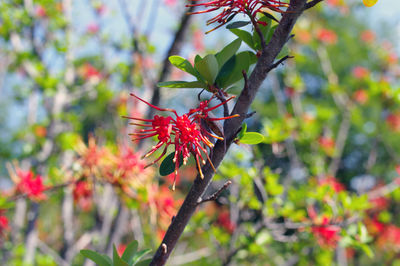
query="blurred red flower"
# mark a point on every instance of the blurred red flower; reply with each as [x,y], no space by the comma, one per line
[368,36]
[393,121]
[82,194]
[327,36]
[3,223]
[333,183]
[360,72]
[361,96]
[30,185]
[225,221]
[327,235]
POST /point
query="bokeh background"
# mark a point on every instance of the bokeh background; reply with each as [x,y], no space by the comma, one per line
[321,189]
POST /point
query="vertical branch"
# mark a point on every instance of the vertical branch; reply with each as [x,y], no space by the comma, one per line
[343,103]
[263,66]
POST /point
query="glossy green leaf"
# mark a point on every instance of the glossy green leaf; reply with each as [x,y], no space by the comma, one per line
[237,24]
[225,54]
[242,131]
[181,84]
[117,261]
[139,255]
[231,72]
[268,15]
[183,64]
[168,166]
[130,251]
[208,68]
[145,262]
[244,36]
[197,58]
[96,257]
[251,138]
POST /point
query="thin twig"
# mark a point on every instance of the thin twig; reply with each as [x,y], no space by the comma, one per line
[312,4]
[216,194]
[280,61]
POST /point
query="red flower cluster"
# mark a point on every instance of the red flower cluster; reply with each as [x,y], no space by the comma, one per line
[231,8]
[31,185]
[327,36]
[326,233]
[225,221]
[360,72]
[333,183]
[89,72]
[361,96]
[185,132]
[3,222]
[393,121]
[389,238]
[82,194]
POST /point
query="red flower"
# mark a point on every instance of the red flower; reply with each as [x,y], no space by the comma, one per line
[30,185]
[393,120]
[121,249]
[198,41]
[326,234]
[40,11]
[231,8]
[91,73]
[3,223]
[360,96]
[360,72]
[224,220]
[82,194]
[170,3]
[185,132]
[367,36]
[327,36]
[333,183]
[390,238]
[327,144]
[92,28]
[128,162]
[379,203]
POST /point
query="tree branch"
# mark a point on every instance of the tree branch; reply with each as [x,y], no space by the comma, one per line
[216,194]
[312,4]
[263,66]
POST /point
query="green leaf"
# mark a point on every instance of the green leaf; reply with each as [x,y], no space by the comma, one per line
[268,15]
[237,24]
[225,54]
[208,68]
[197,58]
[252,138]
[244,36]
[231,72]
[181,84]
[140,255]
[168,166]
[130,251]
[242,131]
[284,52]
[96,257]
[183,64]
[145,262]
[269,34]
[367,250]
[117,261]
